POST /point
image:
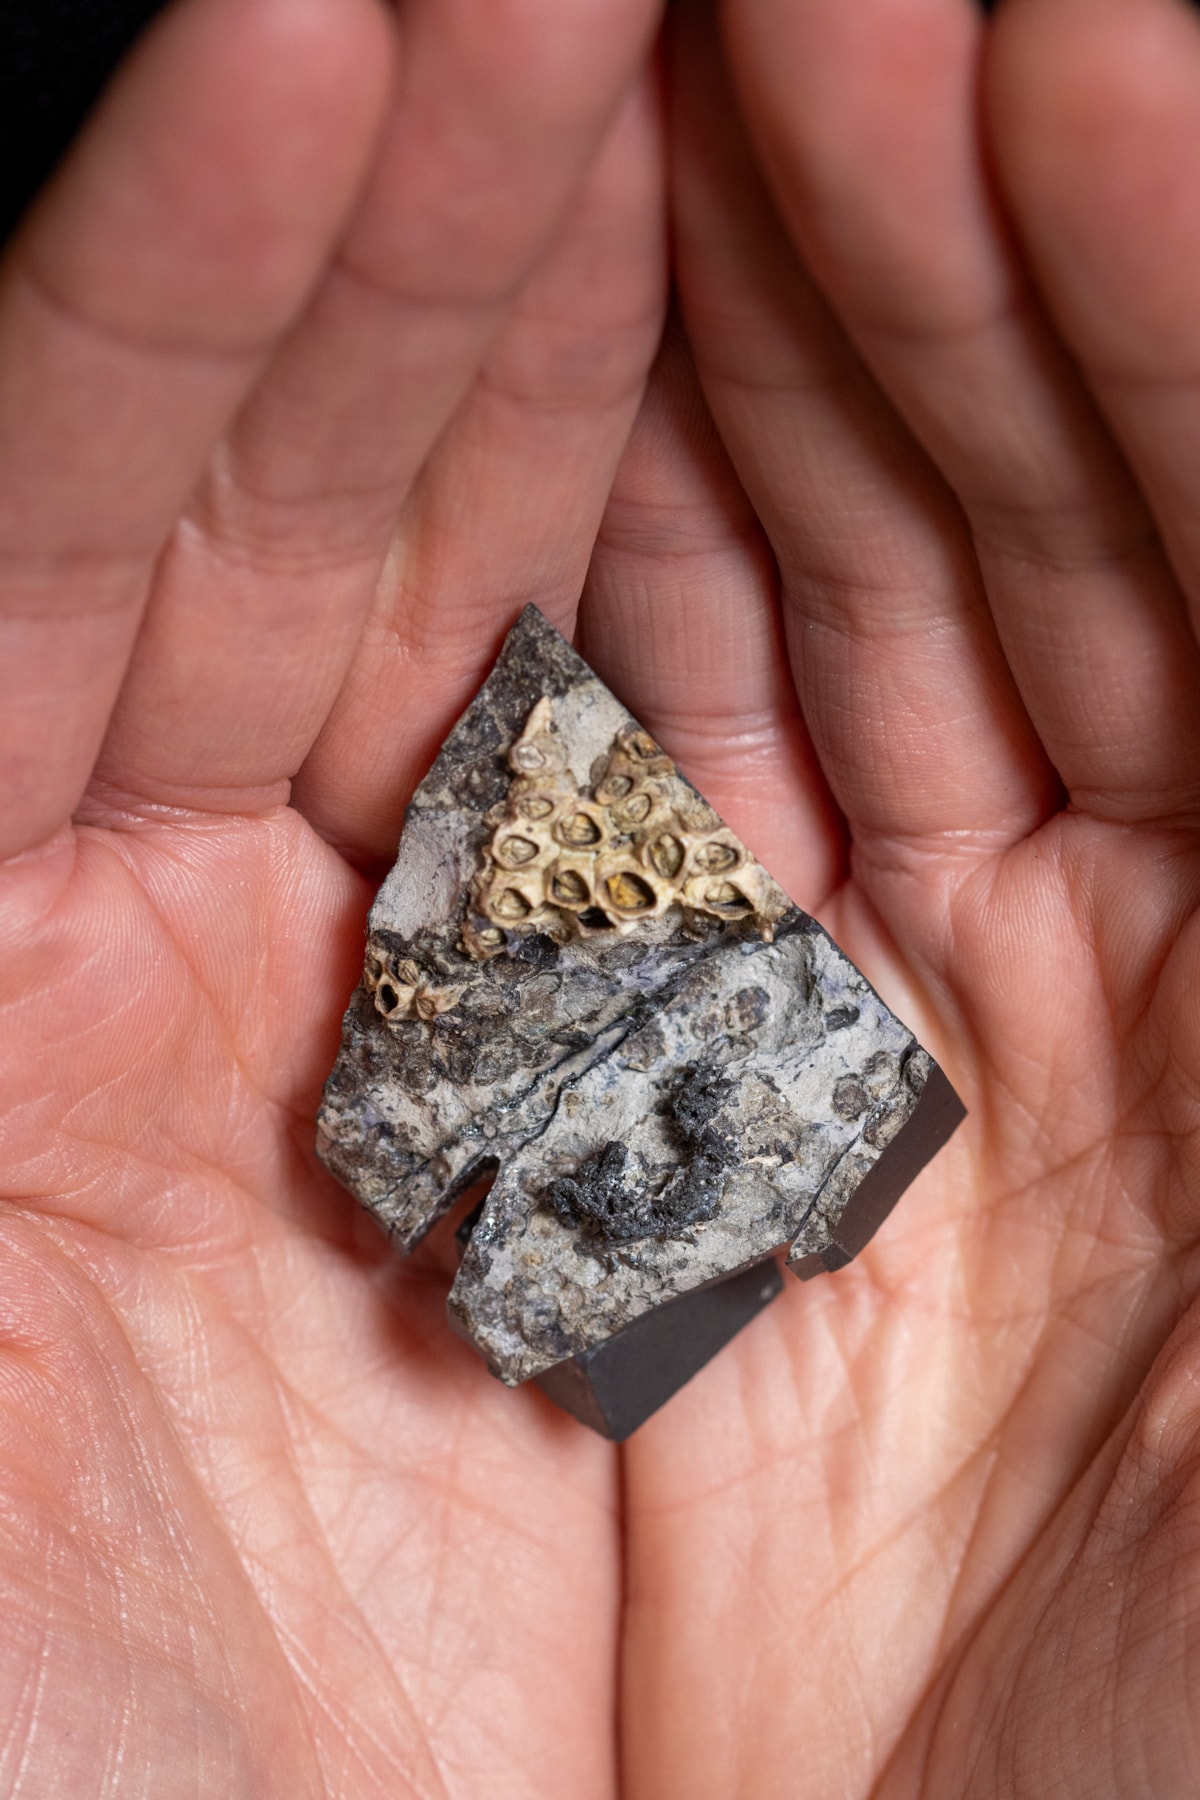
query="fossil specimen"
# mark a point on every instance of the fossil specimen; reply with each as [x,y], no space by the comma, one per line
[571,861]
[578,978]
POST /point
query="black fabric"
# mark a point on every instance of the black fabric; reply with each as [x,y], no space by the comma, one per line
[55,56]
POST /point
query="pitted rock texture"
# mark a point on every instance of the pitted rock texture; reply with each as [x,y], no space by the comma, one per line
[670,1088]
[571,861]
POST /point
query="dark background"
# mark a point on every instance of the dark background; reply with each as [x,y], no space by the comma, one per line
[55,56]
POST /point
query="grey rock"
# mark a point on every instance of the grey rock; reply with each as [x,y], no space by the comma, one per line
[578,977]
[616,1386]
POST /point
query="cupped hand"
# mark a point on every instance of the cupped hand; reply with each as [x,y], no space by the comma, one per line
[315,364]
[933,1526]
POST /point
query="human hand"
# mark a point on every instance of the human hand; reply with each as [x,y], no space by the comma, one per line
[314,367]
[267,1528]
[930,1526]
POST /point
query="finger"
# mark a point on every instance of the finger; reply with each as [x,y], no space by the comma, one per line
[135,307]
[1100,157]
[261,601]
[867,121]
[910,704]
[507,508]
[680,616]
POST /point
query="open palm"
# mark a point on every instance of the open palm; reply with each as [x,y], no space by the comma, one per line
[316,365]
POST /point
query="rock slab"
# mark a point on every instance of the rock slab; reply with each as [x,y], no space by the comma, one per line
[579,979]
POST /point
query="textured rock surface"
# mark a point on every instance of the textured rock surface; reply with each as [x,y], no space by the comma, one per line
[577,976]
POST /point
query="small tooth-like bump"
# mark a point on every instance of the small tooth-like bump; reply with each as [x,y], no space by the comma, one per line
[666,855]
[568,888]
[635,811]
[513,852]
[580,830]
[510,903]
[715,858]
[642,747]
[630,893]
[722,896]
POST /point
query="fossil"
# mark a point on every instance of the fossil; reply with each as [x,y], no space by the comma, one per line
[579,980]
[571,861]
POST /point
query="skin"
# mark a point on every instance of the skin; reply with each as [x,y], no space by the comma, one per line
[331,346]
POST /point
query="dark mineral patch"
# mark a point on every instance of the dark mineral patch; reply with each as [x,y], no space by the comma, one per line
[601,1201]
[613,1203]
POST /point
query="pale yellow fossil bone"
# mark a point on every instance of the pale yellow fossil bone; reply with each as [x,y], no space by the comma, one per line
[571,863]
[402,991]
